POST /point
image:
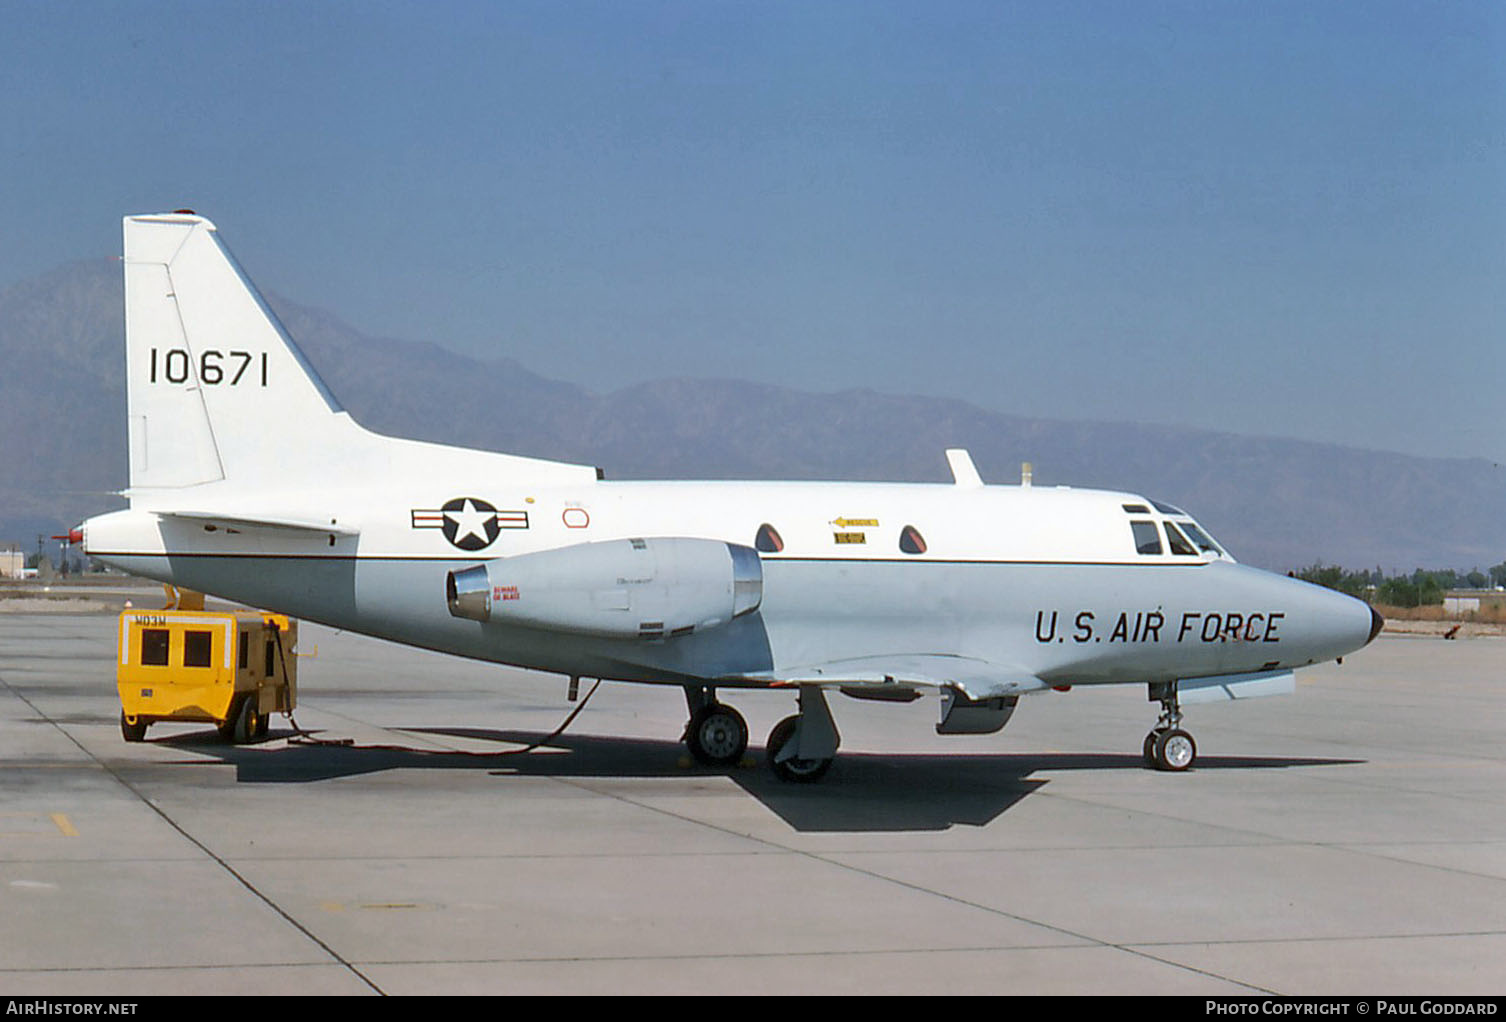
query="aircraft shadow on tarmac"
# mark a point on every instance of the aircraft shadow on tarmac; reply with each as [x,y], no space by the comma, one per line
[863,791]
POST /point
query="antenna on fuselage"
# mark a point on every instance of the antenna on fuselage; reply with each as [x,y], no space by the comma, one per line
[964,473]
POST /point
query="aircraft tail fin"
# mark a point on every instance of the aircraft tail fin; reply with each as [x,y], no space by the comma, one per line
[216,389]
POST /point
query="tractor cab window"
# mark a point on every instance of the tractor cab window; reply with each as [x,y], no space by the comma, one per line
[154,645]
[197,648]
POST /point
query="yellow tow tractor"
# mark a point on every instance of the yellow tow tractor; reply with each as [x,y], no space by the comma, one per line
[232,669]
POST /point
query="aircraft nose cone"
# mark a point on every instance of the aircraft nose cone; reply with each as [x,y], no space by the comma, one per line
[1376,624]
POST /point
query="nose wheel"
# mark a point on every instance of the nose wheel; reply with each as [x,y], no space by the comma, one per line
[1168,747]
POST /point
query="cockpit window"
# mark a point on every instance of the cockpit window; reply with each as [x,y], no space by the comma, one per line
[1202,539]
[1147,537]
[768,540]
[1178,542]
[1136,509]
[911,541]
[1167,509]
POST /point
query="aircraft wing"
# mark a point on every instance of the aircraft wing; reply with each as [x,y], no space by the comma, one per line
[243,521]
[901,674]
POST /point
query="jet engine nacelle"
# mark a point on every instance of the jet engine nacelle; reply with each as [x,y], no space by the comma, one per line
[624,588]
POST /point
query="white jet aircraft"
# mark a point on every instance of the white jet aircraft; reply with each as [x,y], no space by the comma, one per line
[248,481]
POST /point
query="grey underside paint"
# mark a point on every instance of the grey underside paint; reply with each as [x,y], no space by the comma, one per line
[1064,623]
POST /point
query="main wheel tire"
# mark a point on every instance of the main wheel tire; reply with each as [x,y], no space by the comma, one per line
[1175,750]
[795,771]
[248,721]
[717,735]
[132,729]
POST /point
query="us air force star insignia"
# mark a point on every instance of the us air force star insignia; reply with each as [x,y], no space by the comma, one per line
[469,523]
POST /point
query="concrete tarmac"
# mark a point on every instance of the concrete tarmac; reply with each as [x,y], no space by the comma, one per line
[1350,839]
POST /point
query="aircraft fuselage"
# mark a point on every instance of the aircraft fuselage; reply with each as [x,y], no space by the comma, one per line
[1045,580]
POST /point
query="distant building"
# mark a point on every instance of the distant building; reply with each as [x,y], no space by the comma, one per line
[1460,604]
[12,561]
[1486,604]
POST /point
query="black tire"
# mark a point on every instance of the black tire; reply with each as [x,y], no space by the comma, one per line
[1148,750]
[717,735]
[1175,750]
[248,720]
[793,771]
[132,729]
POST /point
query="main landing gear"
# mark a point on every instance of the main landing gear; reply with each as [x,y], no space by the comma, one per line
[1168,747]
[717,734]
[800,749]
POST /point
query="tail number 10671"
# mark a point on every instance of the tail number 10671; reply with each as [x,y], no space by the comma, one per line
[176,365]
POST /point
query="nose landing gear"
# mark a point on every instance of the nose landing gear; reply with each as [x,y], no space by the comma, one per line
[1168,747]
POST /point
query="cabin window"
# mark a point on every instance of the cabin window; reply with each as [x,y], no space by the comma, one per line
[768,540]
[1147,537]
[154,644]
[1178,542]
[911,541]
[197,648]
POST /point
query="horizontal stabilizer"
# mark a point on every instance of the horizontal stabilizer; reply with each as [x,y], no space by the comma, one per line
[241,522]
[976,679]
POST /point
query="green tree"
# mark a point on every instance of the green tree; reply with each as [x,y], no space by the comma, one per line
[1398,592]
[1354,583]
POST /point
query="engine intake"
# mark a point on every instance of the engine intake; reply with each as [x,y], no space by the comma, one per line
[644,588]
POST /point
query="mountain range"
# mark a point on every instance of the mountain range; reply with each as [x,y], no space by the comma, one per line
[1276,503]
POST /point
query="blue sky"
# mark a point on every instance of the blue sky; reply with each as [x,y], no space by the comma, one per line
[1283,218]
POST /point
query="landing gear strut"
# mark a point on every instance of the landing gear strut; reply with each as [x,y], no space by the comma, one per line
[800,748]
[1168,747]
[717,734]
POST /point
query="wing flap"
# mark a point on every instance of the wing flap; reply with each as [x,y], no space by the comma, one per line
[1236,686]
[894,675]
